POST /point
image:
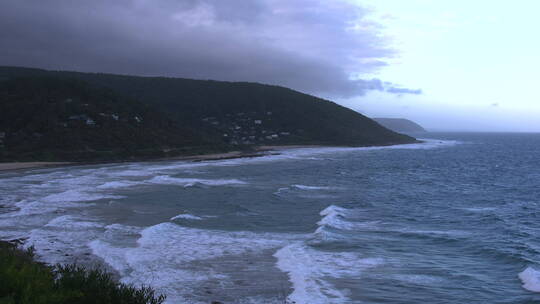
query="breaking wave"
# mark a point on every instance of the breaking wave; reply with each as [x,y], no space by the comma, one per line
[189,182]
[530,278]
[309,267]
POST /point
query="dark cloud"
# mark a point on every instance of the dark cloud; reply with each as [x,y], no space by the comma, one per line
[309,45]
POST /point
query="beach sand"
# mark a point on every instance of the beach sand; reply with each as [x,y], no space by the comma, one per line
[31,165]
[259,151]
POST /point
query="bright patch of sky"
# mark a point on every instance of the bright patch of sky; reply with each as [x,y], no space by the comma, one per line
[477,63]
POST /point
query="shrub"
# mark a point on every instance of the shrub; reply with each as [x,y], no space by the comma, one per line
[25,281]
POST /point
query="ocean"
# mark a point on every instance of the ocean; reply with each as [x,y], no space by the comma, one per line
[455,219]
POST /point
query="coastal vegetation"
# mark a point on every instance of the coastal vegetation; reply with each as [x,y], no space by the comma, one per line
[51,119]
[25,281]
[59,116]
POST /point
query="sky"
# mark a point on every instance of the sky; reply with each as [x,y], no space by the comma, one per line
[448,65]
[476,61]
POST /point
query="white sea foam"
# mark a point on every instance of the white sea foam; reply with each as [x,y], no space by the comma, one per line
[31,208]
[118,185]
[334,216]
[420,279]
[64,238]
[187,182]
[123,229]
[186,216]
[173,272]
[323,236]
[73,223]
[112,255]
[132,173]
[77,196]
[333,209]
[304,187]
[479,209]
[280,190]
[307,268]
[530,278]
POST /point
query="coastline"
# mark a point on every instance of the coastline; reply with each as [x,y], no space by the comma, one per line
[14,166]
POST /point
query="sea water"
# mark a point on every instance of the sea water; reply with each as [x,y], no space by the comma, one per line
[455,219]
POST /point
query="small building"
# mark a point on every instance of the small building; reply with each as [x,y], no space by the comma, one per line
[257,121]
[115,116]
[2,135]
[90,122]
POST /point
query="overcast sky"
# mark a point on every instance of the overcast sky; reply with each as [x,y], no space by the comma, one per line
[466,65]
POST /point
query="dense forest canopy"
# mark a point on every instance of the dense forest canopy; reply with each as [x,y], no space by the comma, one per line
[71,115]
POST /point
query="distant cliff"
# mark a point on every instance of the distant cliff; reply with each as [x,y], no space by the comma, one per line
[400,124]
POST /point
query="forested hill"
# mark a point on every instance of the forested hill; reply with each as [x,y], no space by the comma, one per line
[400,124]
[48,118]
[234,113]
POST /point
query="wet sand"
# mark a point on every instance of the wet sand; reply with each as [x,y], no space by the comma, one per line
[31,165]
[257,152]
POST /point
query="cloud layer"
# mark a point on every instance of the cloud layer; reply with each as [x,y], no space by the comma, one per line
[315,46]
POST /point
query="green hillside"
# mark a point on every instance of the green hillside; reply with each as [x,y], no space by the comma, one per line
[212,114]
[48,118]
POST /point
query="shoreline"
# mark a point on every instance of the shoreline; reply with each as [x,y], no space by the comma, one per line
[258,151]
[15,166]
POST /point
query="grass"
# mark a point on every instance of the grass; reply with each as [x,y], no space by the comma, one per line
[25,281]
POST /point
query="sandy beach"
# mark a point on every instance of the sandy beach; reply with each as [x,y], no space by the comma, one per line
[31,165]
[259,151]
